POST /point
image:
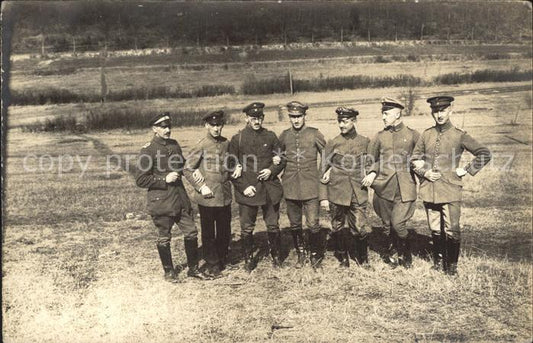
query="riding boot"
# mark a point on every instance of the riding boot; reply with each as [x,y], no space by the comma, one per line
[166,260]
[389,256]
[345,239]
[453,248]
[405,252]
[438,251]
[362,249]
[316,243]
[299,246]
[274,242]
[191,251]
[247,240]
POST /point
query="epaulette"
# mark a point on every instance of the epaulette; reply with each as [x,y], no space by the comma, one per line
[430,128]
[458,129]
[146,145]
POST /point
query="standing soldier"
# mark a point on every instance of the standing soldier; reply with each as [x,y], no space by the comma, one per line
[160,167]
[206,170]
[258,186]
[436,159]
[302,145]
[346,160]
[392,180]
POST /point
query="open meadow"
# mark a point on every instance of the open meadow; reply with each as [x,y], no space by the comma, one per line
[79,258]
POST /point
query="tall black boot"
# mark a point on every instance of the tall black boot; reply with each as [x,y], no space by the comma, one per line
[452,251]
[299,246]
[166,260]
[362,249]
[274,242]
[404,252]
[191,251]
[389,256]
[316,246]
[247,241]
[345,240]
[438,251]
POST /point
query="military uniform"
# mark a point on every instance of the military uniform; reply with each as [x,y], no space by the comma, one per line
[346,156]
[167,203]
[439,149]
[301,187]
[395,184]
[209,157]
[254,151]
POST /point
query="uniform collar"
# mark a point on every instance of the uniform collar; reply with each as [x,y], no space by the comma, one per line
[396,128]
[213,139]
[249,128]
[301,129]
[444,127]
[160,140]
[350,134]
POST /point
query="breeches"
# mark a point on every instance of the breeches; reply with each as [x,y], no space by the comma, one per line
[248,215]
[354,214]
[394,214]
[444,218]
[184,221]
[310,208]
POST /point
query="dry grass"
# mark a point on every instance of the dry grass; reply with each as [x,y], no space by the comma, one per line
[73,267]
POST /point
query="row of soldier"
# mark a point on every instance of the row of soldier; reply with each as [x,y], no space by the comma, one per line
[309,173]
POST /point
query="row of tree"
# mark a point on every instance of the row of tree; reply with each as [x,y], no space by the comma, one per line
[89,25]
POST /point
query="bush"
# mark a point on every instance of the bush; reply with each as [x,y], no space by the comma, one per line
[485,75]
[281,85]
[111,118]
[49,96]
[60,95]
[252,86]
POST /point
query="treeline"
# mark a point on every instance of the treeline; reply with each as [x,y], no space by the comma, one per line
[93,25]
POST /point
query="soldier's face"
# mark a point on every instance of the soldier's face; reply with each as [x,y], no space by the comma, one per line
[441,117]
[214,130]
[391,117]
[255,122]
[346,124]
[162,131]
[297,121]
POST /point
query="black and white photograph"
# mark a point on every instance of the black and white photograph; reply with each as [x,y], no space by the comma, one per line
[267,171]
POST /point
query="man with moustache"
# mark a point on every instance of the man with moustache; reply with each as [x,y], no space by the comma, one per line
[159,169]
[258,186]
[345,163]
[392,180]
[301,145]
[436,160]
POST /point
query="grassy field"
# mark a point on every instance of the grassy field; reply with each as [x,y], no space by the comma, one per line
[74,266]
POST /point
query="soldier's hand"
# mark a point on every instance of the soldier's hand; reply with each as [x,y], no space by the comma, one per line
[249,191]
[325,177]
[237,172]
[172,177]
[324,204]
[460,172]
[369,179]
[197,176]
[276,160]
[432,176]
[264,174]
[206,192]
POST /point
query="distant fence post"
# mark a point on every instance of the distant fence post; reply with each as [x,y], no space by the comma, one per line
[290,82]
